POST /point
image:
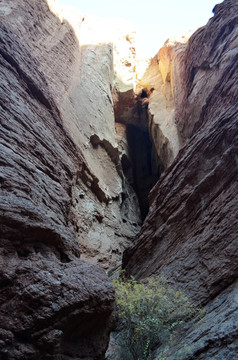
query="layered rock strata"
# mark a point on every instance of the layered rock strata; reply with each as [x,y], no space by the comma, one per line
[72,180]
[77,62]
[190,233]
[61,184]
[52,304]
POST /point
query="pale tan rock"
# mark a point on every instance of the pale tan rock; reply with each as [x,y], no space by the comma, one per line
[161,81]
[77,55]
[157,81]
[51,302]
[107,66]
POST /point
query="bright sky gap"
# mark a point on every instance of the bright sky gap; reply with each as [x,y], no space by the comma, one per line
[154,20]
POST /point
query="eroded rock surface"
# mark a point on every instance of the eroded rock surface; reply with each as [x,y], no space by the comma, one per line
[71,182]
[52,308]
[52,304]
[190,233]
[159,86]
[77,60]
[202,76]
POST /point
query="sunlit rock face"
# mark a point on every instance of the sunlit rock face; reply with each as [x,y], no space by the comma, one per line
[160,85]
[190,233]
[63,191]
[84,138]
[159,77]
[79,61]
[148,112]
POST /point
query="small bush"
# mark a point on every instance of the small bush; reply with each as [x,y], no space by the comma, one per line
[147,313]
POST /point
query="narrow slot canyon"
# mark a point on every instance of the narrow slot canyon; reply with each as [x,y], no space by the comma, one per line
[140,173]
[141,164]
[114,162]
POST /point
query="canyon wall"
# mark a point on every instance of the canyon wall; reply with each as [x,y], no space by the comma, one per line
[64,197]
[83,141]
[77,164]
[190,233]
[79,62]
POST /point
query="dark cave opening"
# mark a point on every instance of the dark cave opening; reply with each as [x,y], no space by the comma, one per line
[141,172]
[144,94]
[140,162]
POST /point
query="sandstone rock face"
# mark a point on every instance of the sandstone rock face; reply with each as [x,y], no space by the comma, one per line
[190,233]
[62,183]
[159,84]
[146,108]
[73,180]
[201,75]
[77,60]
[52,304]
[52,309]
[216,337]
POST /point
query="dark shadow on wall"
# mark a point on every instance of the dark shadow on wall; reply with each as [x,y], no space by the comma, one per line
[144,176]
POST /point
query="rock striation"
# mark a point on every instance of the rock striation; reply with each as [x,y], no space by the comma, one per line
[78,68]
[83,142]
[62,186]
[52,304]
[190,233]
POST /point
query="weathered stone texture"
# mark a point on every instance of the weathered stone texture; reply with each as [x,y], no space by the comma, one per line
[216,336]
[190,233]
[77,60]
[193,214]
[160,85]
[52,308]
[52,305]
[68,178]
[207,64]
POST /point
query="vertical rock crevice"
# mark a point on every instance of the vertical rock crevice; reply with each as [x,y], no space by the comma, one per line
[139,161]
[147,111]
[144,174]
[142,162]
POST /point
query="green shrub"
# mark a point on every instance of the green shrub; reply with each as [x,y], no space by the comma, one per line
[147,312]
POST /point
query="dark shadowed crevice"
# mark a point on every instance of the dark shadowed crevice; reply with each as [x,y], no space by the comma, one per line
[143,176]
[140,163]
